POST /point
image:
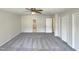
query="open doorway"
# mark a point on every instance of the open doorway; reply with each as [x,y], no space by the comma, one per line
[34,25]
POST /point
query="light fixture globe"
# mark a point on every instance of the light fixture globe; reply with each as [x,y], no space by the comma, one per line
[33,12]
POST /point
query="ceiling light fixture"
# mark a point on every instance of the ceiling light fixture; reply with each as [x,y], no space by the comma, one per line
[33,12]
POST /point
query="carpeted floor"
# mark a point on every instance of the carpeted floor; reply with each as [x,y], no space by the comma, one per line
[36,42]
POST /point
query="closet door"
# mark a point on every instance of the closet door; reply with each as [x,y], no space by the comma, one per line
[76,31]
[64,28]
[48,25]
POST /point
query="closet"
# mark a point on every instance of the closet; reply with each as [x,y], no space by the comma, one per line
[75,30]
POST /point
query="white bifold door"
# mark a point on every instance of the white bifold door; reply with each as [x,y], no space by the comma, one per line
[64,28]
[75,31]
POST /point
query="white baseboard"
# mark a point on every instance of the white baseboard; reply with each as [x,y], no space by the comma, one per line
[36,32]
[8,40]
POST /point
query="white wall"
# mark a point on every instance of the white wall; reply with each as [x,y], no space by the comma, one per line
[10,26]
[66,26]
[27,22]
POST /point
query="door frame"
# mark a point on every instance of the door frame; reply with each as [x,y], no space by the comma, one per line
[73,26]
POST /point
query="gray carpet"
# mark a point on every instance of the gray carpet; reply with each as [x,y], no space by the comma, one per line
[36,42]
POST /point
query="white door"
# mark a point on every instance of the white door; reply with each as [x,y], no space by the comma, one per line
[64,28]
[48,25]
[76,31]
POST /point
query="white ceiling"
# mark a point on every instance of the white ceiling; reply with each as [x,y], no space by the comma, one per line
[46,11]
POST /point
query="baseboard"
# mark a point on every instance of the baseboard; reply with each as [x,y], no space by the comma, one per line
[69,45]
[37,32]
[8,40]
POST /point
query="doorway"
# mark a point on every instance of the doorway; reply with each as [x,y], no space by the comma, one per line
[34,25]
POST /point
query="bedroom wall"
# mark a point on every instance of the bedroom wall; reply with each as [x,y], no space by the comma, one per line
[66,26]
[27,22]
[10,26]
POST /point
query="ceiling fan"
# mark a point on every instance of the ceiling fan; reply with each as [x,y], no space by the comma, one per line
[34,10]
